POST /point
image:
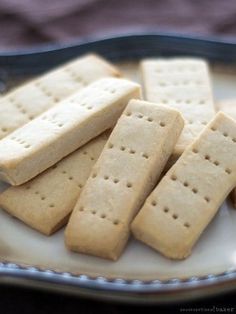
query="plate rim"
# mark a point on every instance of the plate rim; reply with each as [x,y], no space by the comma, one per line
[129,290]
[39,58]
[50,47]
[135,290]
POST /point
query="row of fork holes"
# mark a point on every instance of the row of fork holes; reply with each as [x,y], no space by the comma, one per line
[75,76]
[89,107]
[115,222]
[46,92]
[70,178]
[179,83]
[183,101]
[42,197]
[20,108]
[114,180]
[60,125]
[174,215]
[20,141]
[82,104]
[214,162]
[225,134]
[193,122]
[130,151]
[187,185]
[110,89]
[86,153]
[102,215]
[177,69]
[149,119]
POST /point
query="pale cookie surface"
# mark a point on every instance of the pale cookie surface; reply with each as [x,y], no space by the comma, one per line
[31,99]
[228,106]
[45,202]
[64,128]
[183,84]
[124,175]
[187,198]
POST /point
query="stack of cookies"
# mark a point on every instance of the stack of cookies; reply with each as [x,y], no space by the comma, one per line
[84,147]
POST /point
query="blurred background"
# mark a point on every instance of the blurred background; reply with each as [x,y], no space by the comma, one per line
[29,22]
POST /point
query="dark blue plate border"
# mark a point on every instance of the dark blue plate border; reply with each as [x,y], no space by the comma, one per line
[133,46]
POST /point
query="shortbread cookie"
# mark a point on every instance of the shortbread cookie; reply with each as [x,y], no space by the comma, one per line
[64,128]
[31,99]
[183,84]
[228,106]
[187,198]
[124,175]
[45,202]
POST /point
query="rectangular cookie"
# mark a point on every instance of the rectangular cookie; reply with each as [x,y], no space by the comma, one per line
[187,198]
[31,99]
[45,202]
[125,173]
[184,84]
[228,106]
[64,128]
